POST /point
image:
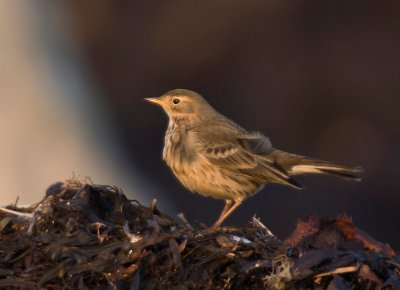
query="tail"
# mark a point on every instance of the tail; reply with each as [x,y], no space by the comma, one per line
[297,164]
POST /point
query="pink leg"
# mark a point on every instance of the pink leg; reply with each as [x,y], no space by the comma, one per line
[227,211]
[228,204]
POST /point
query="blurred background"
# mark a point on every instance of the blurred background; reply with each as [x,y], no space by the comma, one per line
[319,78]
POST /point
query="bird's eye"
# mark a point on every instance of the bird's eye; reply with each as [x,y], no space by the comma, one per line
[176,101]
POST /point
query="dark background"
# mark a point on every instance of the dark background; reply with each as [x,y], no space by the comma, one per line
[320,78]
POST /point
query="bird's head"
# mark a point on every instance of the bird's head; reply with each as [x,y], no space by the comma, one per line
[183,104]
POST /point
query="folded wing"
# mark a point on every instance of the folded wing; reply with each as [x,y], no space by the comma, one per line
[236,150]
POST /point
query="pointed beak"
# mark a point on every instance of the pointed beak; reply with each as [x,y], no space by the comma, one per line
[157,101]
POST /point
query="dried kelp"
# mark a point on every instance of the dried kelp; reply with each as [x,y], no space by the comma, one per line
[87,236]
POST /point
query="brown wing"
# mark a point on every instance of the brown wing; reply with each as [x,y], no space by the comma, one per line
[237,150]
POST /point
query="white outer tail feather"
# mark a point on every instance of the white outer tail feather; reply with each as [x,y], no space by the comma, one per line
[300,169]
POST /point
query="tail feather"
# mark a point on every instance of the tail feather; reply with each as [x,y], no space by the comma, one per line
[344,171]
[344,175]
[296,164]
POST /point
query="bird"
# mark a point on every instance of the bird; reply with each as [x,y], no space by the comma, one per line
[215,157]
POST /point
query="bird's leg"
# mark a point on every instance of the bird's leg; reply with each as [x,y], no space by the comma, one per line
[225,213]
[228,204]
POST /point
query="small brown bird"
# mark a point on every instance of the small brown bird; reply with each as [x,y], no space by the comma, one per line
[213,156]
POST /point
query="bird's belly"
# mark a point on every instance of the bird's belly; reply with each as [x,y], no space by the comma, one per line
[210,180]
[197,174]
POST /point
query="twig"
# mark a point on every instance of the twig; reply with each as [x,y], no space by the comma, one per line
[342,270]
[182,217]
[25,216]
[257,223]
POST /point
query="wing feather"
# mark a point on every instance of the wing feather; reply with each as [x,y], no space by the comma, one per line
[237,150]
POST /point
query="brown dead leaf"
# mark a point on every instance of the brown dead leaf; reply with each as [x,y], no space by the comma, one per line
[224,241]
[365,273]
[345,225]
[373,245]
[304,229]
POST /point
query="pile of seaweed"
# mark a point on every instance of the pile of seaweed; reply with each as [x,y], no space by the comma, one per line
[86,236]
